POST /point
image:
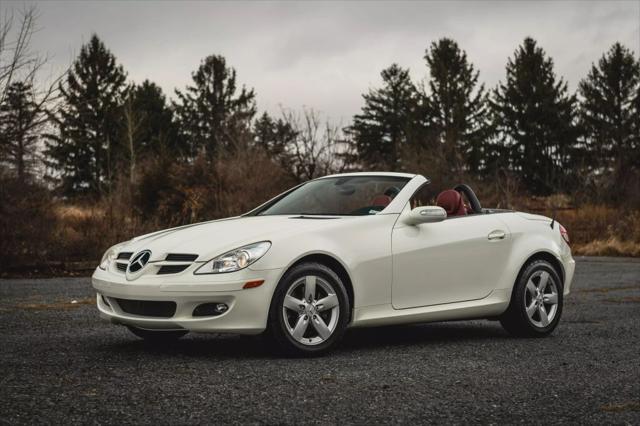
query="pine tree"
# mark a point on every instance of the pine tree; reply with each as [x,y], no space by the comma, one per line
[276,137]
[455,105]
[382,128]
[213,110]
[148,127]
[609,116]
[158,132]
[534,117]
[86,148]
[21,120]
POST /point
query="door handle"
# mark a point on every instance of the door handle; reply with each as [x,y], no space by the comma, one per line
[496,235]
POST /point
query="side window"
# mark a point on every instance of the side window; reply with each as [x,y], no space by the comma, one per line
[424,196]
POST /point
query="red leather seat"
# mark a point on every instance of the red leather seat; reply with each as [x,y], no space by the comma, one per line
[452,202]
[381,200]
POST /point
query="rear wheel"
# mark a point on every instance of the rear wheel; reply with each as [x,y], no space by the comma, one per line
[157,336]
[309,311]
[536,301]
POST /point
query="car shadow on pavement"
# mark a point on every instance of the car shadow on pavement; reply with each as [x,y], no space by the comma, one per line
[217,346]
[195,345]
[422,334]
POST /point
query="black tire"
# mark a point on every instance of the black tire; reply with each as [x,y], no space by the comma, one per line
[277,328]
[515,319]
[157,336]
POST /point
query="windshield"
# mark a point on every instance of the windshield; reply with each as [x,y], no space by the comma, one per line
[339,196]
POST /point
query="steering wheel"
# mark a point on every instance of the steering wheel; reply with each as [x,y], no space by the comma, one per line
[471,196]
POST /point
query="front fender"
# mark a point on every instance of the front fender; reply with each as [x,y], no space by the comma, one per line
[362,245]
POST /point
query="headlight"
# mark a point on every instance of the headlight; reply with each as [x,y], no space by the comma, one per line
[235,260]
[109,256]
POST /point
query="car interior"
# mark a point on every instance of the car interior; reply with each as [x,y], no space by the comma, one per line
[459,201]
[385,199]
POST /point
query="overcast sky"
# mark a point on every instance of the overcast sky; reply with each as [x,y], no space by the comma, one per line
[326,54]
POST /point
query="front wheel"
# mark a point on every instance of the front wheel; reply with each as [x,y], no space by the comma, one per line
[310,310]
[536,301]
[157,336]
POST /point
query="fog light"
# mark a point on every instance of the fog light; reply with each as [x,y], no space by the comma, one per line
[210,309]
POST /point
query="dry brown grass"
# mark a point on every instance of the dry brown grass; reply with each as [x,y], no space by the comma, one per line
[595,230]
[84,231]
[609,247]
[624,406]
[71,212]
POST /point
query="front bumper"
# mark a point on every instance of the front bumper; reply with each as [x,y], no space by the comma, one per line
[247,311]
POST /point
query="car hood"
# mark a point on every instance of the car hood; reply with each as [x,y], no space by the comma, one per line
[210,239]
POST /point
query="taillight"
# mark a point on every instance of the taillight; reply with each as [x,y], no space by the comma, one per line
[564,233]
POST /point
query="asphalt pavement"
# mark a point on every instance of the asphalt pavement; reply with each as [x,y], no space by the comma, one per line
[60,364]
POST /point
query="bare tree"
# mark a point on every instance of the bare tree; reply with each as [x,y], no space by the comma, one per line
[317,149]
[133,120]
[20,67]
[17,61]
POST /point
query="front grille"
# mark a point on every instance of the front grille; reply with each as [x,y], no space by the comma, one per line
[124,255]
[147,308]
[121,266]
[181,257]
[171,269]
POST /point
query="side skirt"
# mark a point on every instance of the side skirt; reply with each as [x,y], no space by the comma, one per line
[492,305]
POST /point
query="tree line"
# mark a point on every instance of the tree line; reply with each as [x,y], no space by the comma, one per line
[529,126]
[102,129]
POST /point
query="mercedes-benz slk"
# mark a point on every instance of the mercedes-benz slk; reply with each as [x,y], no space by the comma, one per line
[348,250]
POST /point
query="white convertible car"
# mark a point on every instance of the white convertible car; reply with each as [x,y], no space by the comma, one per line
[348,250]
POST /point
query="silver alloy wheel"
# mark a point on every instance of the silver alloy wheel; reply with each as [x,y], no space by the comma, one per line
[541,299]
[311,300]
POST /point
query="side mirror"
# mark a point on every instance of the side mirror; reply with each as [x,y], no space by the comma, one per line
[426,214]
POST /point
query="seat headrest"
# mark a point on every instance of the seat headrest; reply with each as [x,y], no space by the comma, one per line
[451,201]
[381,200]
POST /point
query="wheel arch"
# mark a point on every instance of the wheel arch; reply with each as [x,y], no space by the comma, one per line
[336,266]
[549,257]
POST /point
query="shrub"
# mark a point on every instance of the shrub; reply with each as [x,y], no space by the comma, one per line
[27,222]
[210,189]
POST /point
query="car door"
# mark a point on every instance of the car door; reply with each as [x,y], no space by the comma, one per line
[459,259]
